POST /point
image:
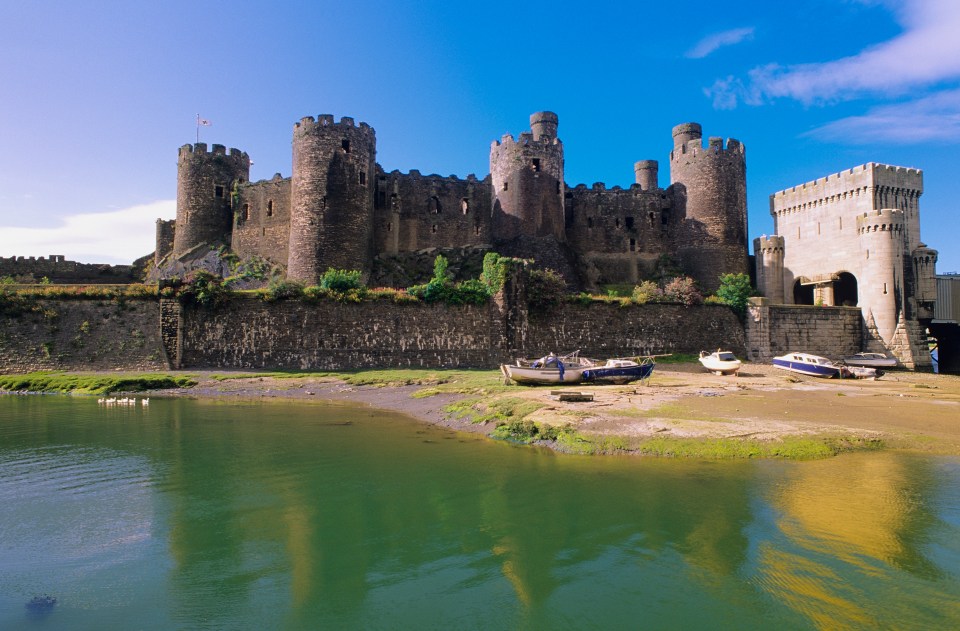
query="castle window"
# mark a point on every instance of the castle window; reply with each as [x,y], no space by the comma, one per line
[650,216]
[665,218]
[617,222]
[568,195]
[884,288]
[506,185]
[629,221]
[389,226]
[633,245]
[218,191]
[270,208]
[246,212]
[363,178]
[558,187]
[589,222]
[476,230]
[433,228]
[382,197]
[345,145]
[536,165]
[464,205]
[435,204]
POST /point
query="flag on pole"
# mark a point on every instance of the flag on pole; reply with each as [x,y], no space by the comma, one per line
[204,122]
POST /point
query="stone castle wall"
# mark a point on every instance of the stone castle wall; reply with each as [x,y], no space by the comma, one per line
[261,225]
[83,335]
[30,269]
[773,330]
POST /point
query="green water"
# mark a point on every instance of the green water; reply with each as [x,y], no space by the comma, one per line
[205,515]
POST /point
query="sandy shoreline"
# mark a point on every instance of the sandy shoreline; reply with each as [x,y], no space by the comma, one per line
[917,411]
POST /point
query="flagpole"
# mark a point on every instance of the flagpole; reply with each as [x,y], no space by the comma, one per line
[198,128]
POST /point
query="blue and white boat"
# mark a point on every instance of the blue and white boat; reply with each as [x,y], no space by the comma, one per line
[619,371]
[807,364]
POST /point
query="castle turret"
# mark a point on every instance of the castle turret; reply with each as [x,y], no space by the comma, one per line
[204,183]
[925,280]
[331,218]
[881,285]
[710,186]
[527,180]
[647,172]
[769,260]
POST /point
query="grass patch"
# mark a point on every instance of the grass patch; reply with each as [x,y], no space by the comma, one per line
[678,358]
[484,409]
[675,411]
[730,448]
[93,384]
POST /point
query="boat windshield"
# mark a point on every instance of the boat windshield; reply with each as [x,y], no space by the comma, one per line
[726,357]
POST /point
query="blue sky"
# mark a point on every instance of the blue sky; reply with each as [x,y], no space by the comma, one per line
[97,96]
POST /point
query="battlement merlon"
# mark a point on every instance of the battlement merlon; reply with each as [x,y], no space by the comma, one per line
[772,243]
[864,175]
[526,139]
[326,120]
[883,219]
[200,149]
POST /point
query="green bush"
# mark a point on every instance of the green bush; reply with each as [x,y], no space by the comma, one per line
[647,291]
[735,291]
[545,289]
[283,290]
[204,289]
[341,280]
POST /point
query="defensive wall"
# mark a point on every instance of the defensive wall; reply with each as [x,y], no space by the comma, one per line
[82,335]
[776,329]
[31,269]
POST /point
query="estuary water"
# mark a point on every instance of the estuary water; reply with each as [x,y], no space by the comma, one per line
[210,515]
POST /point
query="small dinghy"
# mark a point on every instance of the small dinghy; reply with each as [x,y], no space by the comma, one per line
[720,362]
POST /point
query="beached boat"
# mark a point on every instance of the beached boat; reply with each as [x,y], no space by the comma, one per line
[870,360]
[720,362]
[861,372]
[619,371]
[807,364]
[549,369]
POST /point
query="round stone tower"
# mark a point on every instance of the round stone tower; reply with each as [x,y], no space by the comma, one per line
[647,172]
[880,285]
[710,185]
[331,215]
[769,257]
[527,180]
[204,184]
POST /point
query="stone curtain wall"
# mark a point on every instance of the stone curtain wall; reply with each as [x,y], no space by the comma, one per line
[774,330]
[605,330]
[248,333]
[83,335]
[30,269]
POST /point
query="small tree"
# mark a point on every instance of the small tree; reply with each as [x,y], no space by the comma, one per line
[683,289]
[735,291]
[647,291]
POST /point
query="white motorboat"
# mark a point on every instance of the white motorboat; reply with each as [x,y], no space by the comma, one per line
[720,362]
[870,360]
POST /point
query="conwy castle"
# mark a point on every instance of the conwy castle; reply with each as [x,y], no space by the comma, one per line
[341,209]
[845,271]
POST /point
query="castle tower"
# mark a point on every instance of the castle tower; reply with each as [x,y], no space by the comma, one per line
[331,216]
[204,184]
[925,280]
[711,185]
[647,172]
[881,284]
[769,258]
[527,179]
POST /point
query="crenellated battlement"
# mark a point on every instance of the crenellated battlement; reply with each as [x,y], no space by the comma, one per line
[884,220]
[857,177]
[768,244]
[525,140]
[415,174]
[326,120]
[200,149]
[715,146]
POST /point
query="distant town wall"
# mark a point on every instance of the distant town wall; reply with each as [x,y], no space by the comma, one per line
[55,268]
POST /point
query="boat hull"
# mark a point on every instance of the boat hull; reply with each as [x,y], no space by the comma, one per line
[870,362]
[719,366]
[617,374]
[803,368]
[542,376]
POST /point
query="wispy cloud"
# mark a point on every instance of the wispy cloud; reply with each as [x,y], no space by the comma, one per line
[116,237]
[933,118]
[711,43]
[927,52]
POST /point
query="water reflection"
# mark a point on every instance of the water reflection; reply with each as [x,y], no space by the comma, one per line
[302,516]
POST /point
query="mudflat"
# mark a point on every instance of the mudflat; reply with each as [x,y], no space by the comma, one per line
[906,410]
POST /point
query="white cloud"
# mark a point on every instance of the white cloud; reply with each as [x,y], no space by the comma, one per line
[117,237]
[927,52]
[711,43]
[931,119]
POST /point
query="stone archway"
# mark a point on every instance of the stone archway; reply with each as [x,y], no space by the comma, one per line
[845,290]
[802,293]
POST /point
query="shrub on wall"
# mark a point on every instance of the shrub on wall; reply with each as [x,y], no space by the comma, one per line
[283,290]
[545,288]
[647,291]
[735,291]
[441,287]
[683,290]
[341,279]
[204,289]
